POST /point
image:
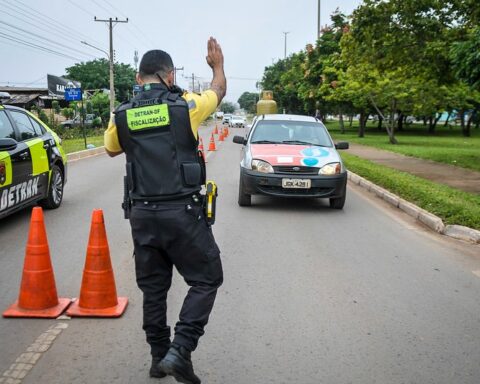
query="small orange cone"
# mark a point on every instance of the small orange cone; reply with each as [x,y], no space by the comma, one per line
[215,131]
[220,135]
[38,293]
[225,132]
[201,150]
[228,131]
[98,294]
[211,146]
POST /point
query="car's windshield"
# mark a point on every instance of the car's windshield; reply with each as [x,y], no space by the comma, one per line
[291,132]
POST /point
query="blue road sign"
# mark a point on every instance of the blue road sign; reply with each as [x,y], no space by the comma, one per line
[73,94]
[137,88]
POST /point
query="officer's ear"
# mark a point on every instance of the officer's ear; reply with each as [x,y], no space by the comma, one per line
[139,79]
[171,78]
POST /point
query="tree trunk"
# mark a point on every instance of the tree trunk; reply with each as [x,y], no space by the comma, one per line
[467,131]
[351,121]
[461,114]
[380,121]
[361,128]
[448,118]
[431,125]
[424,120]
[389,123]
[342,124]
[400,122]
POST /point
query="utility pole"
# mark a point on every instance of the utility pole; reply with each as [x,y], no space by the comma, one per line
[135,59]
[193,82]
[318,21]
[175,69]
[285,50]
[111,23]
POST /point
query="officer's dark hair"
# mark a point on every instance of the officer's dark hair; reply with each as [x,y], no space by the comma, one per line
[155,62]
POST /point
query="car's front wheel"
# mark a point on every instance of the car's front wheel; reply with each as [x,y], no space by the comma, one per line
[338,202]
[55,189]
[244,199]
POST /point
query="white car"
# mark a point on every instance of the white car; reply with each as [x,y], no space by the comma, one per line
[237,122]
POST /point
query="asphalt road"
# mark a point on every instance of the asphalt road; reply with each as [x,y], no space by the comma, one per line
[311,295]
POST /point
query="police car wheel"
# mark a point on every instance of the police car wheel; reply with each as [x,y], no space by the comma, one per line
[55,190]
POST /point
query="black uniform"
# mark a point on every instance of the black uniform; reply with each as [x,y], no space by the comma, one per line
[165,174]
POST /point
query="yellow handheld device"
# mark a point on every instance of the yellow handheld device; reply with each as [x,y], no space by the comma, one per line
[211,200]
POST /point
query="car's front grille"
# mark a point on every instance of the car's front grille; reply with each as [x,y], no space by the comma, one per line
[295,170]
[317,191]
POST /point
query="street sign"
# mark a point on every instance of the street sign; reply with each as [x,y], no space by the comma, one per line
[73,94]
[137,88]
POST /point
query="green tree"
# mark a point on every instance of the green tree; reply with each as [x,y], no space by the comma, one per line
[227,107]
[248,101]
[100,105]
[95,75]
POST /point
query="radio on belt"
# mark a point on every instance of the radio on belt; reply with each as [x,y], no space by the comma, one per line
[211,200]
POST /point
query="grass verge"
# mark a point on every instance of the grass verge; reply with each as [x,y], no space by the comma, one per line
[75,145]
[451,205]
[445,146]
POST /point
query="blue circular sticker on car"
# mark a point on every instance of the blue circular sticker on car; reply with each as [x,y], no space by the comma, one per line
[314,152]
[310,161]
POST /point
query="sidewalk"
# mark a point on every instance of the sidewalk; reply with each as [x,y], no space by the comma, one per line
[455,177]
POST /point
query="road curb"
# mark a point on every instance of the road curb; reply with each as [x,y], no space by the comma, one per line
[432,221]
[85,153]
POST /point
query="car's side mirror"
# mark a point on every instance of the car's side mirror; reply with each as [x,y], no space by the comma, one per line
[8,144]
[342,145]
[239,140]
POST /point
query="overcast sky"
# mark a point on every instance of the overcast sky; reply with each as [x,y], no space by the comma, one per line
[249,31]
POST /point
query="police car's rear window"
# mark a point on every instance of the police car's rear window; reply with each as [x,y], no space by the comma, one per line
[6,129]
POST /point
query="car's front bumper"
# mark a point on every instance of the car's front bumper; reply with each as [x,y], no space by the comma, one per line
[256,183]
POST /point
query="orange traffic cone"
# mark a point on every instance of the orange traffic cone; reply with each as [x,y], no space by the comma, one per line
[220,135]
[215,131]
[38,293]
[225,132]
[201,150]
[211,146]
[98,295]
[228,131]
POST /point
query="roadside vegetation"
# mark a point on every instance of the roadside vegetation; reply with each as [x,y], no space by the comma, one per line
[451,205]
[446,146]
[78,144]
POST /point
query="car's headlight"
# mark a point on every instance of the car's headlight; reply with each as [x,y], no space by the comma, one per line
[331,169]
[261,166]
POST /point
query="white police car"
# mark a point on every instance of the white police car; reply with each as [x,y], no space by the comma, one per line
[33,164]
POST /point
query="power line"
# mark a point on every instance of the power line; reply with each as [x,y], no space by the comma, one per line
[119,34]
[23,42]
[37,22]
[43,39]
[52,23]
[142,34]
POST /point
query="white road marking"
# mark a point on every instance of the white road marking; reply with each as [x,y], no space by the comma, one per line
[27,360]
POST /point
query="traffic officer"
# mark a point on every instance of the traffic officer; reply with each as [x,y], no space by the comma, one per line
[158,132]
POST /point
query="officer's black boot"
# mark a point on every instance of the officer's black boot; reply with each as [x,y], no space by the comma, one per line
[155,370]
[178,364]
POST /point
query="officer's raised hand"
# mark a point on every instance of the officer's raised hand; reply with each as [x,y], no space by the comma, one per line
[215,61]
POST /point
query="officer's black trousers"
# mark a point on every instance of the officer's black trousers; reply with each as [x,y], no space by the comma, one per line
[175,234]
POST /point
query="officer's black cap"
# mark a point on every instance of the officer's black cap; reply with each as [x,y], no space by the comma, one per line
[154,61]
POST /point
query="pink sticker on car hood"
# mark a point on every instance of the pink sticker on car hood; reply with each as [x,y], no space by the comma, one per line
[284,154]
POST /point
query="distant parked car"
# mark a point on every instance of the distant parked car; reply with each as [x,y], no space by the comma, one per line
[226,118]
[77,121]
[237,122]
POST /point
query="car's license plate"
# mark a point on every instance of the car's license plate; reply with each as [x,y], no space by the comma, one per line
[296,183]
